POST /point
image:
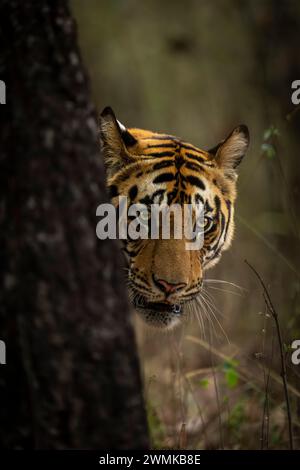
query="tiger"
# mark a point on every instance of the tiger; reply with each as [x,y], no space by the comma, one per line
[147,167]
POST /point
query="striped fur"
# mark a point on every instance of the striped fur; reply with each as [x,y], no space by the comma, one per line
[150,167]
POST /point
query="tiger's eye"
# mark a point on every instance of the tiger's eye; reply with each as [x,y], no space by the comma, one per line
[207,223]
[204,224]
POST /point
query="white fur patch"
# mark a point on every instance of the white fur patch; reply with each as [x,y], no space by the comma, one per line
[121,126]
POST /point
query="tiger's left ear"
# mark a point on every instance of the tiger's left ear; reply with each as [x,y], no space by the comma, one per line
[230,152]
[115,140]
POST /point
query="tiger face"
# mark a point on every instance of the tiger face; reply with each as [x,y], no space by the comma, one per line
[153,168]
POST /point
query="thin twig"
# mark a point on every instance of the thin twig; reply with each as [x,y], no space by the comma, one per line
[266,407]
[217,393]
[274,315]
[266,411]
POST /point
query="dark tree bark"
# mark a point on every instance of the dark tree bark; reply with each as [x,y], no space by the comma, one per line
[72,377]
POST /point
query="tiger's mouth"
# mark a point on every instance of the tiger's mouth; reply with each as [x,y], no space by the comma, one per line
[159,314]
[158,306]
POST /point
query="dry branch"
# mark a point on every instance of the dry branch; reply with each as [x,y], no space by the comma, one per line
[274,314]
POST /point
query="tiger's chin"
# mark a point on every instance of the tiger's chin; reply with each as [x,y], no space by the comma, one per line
[161,315]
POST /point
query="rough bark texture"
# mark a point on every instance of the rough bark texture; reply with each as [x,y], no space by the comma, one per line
[72,377]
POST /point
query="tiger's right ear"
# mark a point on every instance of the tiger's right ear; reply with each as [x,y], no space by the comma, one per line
[114,139]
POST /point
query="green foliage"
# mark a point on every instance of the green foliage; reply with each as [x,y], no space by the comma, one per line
[287,348]
[272,131]
[231,374]
[204,383]
[232,377]
[275,435]
[156,428]
[237,416]
[268,150]
[267,147]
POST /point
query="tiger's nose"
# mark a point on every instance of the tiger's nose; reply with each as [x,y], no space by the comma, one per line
[168,287]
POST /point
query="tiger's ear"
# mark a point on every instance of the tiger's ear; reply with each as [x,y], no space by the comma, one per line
[229,153]
[114,139]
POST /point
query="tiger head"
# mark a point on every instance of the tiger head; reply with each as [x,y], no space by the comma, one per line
[153,168]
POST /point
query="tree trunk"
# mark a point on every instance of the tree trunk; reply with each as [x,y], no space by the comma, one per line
[71,378]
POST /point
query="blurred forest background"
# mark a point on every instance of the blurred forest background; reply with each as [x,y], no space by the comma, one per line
[196,69]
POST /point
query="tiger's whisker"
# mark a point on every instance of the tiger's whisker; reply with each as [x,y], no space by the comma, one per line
[211,309]
[225,290]
[221,281]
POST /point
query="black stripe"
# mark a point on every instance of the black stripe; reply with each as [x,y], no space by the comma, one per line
[178,161]
[198,158]
[208,208]
[146,200]
[182,197]
[163,164]
[201,160]
[216,253]
[159,137]
[163,177]
[171,144]
[195,181]
[113,190]
[211,230]
[216,247]
[159,154]
[159,192]
[133,192]
[221,231]
[199,198]
[218,203]
[192,166]
[171,196]
[228,204]
[125,176]
[132,253]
